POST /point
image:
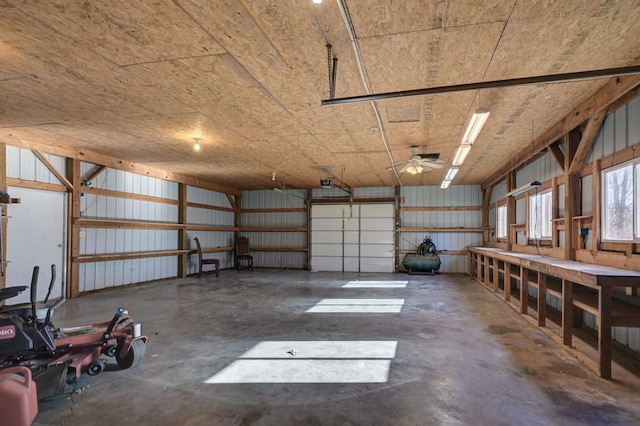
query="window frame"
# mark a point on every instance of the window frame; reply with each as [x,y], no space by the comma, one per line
[505,225]
[531,232]
[604,193]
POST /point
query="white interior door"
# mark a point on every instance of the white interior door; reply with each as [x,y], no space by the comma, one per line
[36,237]
[353,238]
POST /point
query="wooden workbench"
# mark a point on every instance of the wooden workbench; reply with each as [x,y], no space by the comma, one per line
[578,285]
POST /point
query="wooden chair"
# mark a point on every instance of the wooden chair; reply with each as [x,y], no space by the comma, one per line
[243,253]
[202,261]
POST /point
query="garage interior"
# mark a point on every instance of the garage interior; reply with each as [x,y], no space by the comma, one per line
[334,137]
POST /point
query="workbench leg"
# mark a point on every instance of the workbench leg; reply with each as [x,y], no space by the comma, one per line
[487,271]
[604,331]
[507,282]
[479,268]
[496,275]
[567,312]
[524,290]
[542,299]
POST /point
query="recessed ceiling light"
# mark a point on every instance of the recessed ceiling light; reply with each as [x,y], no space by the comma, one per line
[196,146]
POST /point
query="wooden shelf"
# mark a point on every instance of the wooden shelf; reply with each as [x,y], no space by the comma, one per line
[10,201]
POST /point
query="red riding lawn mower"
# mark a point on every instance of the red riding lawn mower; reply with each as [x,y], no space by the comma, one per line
[57,357]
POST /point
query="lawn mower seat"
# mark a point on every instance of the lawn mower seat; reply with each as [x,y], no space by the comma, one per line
[9,292]
[27,311]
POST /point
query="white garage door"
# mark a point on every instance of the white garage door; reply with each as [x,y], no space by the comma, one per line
[352,238]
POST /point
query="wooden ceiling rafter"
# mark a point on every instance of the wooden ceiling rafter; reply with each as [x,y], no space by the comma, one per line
[609,93]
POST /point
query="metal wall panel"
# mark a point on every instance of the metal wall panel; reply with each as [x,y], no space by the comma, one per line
[433,196]
[23,164]
[374,192]
[542,169]
[499,192]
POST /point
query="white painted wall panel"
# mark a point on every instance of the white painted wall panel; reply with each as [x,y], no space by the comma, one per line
[499,191]
[23,164]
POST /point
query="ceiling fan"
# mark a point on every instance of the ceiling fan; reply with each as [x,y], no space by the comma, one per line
[418,163]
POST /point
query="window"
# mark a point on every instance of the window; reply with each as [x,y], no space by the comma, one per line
[617,203]
[540,215]
[501,222]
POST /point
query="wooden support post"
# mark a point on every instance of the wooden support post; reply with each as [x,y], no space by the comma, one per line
[235,202]
[183,237]
[507,282]
[567,312]
[485,210]
[605,294]
[555,212]
[542,299]
[524,290]
[73,229]
[396,233]
[487,271]
[596,183]
[496,275]
[511,211]
[479,268]
[572,194]
[3,215]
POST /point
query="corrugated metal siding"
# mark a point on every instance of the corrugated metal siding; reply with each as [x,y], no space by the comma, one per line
[23,164]
[276,200]
[95,276]
[375,192]
[433,196]
[499,192]
[619,131]
[543,169]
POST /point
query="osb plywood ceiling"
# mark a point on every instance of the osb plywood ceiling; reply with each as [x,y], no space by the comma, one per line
[139,79]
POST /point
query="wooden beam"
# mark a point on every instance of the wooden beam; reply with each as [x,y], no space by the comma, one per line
[275,210]
[557,153]
[118,164]
[73,229]
[108,257]
[611,91]
[3,214]
[93,173]
[444,230]
[441,208]
[596,203]
[572,193]
[588,139]
[84,222]
[52,168]
[32,184]
[128,195]
[210,207]
[183,238]
[273,229]
[511,210]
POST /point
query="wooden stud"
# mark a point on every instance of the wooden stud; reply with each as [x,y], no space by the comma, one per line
[587,140]
[572,194]
[93,173]
[511,211]
[605,294]
[542,299]
[52,168]
[73,227]
[557,153]
[567,312]
[183,236]
[30,184]
[524,290]
[596,184]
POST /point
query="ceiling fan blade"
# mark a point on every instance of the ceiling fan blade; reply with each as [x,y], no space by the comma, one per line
[430,165]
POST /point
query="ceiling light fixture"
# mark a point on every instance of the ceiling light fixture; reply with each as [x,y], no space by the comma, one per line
[196,146]
[451,174]
[461,154]
[475,126]
[523,188]
[445,184]
[414,169]
[317,1]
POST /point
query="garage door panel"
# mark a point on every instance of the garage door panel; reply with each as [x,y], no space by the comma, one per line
[376,264]
[377,210]
[330,250]
[329,210]
[377,224]
[327,237]
[378,250]
[374,237]
[351,224]
[351,264]
[352,250]
[326,224]
[352,237]
[331,264]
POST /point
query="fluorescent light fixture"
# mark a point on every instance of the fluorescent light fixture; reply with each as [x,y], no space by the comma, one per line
[357,306]
[461,154]
[445,184]
[523,188]
[475,126]
[317,1]
[196,146]
[376,284]
[451,174]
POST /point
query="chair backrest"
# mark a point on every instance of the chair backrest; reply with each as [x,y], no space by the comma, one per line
[199,249]
[243,246]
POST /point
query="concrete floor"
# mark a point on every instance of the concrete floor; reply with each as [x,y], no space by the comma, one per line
[462,357]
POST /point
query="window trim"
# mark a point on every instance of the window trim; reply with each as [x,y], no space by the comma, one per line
[530,234]
[635,225]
